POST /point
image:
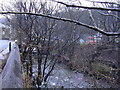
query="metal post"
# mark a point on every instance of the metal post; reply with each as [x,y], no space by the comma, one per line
[9,46]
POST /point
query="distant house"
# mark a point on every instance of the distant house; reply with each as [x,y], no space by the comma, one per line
[82,41]
[94,39]
[91,40]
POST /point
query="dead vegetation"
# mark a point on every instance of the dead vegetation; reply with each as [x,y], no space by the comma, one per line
[94,60]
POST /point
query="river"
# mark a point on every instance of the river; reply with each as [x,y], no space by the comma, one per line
[63,77]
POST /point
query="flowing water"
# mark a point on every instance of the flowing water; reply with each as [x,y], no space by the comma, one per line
[63,77]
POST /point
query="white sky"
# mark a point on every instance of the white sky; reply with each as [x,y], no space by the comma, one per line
[84,2]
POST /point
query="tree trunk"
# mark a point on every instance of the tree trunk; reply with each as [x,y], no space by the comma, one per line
[39,78]
[118,47]
[118,63]
[30,58]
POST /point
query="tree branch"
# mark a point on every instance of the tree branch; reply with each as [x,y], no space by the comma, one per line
[108,15]
[105,2]
[85,7]
[67,20]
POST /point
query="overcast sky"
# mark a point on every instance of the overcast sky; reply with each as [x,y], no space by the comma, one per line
[84,2]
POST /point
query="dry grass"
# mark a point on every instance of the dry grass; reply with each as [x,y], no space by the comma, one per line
[26,80]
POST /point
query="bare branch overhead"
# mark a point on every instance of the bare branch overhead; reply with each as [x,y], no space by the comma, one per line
[67,20]
[106,2]
[85,7]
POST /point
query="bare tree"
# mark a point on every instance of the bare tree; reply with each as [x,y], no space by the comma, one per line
[39,25]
